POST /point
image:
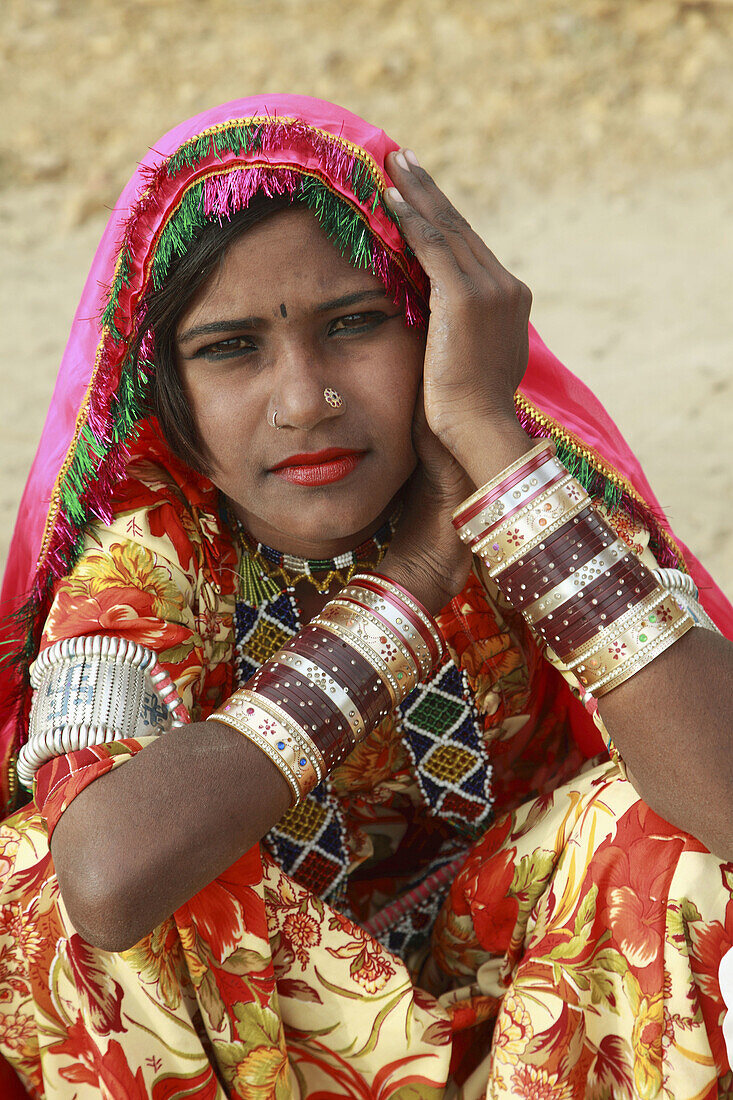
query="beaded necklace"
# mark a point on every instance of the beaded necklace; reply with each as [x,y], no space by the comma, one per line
[264,572]
[438,722]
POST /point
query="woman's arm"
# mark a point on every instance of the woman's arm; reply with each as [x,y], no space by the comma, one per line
[673,725]
[672,721]
[141,840]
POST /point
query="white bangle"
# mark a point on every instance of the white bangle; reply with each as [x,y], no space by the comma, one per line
[92,690]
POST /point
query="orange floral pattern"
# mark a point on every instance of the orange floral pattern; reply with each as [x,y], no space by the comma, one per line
[575,956]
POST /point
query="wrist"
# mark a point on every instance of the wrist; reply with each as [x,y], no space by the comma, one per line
[425,580]
[484,446]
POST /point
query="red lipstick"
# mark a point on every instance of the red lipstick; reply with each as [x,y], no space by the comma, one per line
[318,467]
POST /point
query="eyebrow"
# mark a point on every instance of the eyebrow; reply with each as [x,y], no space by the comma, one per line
[351,299]
[219,326]
[252,322]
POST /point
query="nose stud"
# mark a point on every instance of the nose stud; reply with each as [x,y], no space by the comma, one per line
[334,399]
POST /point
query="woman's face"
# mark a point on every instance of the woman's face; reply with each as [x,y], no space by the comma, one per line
[283,317]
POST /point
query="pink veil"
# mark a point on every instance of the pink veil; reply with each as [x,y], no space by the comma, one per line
[221,157]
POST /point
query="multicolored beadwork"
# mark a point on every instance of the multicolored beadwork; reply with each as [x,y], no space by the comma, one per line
[443,734]
[264,572]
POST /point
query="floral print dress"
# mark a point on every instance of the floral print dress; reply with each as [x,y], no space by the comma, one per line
[575,955]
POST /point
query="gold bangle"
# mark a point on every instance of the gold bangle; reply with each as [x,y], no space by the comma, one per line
[609,633]
[521,494]
[298,785]
[264,746]
[635,664]
[641,632]
[383,629]
[399,624]
[500,555]
[535,516]
[388,657]
[404,597]
[271,729]
[300,737]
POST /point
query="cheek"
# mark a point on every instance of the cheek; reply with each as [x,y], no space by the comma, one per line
[225,415]
[398,381]
[387,399]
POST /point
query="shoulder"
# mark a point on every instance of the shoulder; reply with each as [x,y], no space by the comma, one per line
[171,511]
[144,573]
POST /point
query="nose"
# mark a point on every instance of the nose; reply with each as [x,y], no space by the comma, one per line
[302,397]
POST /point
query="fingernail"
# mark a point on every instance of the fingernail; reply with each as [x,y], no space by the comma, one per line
[409,155]
[399,157]
[393,195]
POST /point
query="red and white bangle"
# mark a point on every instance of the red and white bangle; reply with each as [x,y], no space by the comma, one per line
[472,528]
[578,585]
[503,483]
[410,607]
[336,679]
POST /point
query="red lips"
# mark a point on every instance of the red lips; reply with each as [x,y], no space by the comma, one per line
[318,467]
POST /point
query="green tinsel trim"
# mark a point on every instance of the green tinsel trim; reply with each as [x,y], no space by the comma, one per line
[179,232]
[130,400]
[590,478]
[352,238]
[121,278]
[343,224]
[233,139]
[345,227]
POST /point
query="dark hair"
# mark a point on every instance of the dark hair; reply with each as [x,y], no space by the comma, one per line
[164,308]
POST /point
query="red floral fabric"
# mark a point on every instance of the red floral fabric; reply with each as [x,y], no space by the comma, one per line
[576,954]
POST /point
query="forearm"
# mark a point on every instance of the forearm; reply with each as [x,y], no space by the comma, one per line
[672,720]
[673,725]
[144,838]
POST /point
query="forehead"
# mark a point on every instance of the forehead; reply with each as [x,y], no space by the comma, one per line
[286,258]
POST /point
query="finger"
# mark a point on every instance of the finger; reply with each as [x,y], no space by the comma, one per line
[421,190]
[442,216]
[483,277]
[429,244]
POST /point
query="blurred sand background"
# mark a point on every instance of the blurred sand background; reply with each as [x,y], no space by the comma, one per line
[590,143]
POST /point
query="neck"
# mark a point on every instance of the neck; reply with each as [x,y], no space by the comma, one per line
[303,546]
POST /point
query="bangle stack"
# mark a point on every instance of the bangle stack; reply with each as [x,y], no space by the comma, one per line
[578,585]
[93,690]
[334,681]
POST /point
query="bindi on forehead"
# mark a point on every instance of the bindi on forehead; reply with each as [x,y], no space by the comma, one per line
[283,310]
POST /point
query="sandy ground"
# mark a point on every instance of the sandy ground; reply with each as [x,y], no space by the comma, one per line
[590,143]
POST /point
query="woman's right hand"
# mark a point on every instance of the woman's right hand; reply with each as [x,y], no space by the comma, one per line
[426,556]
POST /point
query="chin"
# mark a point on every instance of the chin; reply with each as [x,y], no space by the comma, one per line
[333,521]
[317,516]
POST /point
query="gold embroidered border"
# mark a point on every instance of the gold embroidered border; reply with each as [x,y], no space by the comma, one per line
[594,459]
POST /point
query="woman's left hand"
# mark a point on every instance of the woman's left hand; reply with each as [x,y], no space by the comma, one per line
[477,342]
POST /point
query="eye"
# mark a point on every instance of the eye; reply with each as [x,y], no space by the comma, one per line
[357,322]
[226,349]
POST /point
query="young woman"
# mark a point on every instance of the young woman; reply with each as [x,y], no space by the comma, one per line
[314,806]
